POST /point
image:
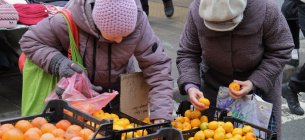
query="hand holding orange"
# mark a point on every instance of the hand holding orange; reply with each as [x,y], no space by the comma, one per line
[235,86]
[205,101]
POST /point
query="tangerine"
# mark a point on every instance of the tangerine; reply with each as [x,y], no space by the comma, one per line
[205,101]
[187,113]
[228,126]
[180,119]
[213,125]
[47,136]
[23,125]
[37,130]
[85,133]
[31,135]
[38,122]
[63,124]
[196,114]
[250,136]
[199,135]
[47,128]
[12,134]
[235,86]
[74,129]
[58,132]
[204,119]
[246,129]
[195,123]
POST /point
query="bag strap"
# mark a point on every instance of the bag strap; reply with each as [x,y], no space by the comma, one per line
[73,51]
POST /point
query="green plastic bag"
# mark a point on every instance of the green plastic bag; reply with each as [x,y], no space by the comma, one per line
[37,83]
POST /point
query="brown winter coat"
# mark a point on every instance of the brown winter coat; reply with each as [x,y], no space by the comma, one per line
[257,50]
[50,37]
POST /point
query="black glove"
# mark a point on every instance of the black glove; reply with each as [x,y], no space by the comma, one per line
[63,66]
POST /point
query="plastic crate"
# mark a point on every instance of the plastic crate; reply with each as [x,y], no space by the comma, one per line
[54,112]
[185,105]
[154,130]
[264,134]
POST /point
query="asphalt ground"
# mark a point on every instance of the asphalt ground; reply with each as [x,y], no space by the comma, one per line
[168,30]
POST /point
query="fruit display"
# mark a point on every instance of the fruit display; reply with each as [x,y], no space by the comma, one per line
[123,122]
[40,129]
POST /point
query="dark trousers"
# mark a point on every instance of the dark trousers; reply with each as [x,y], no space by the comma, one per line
[297,81]
[145,6]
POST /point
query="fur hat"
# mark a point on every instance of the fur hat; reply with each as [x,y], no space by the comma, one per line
[222,15]
[8,15]
[115,18]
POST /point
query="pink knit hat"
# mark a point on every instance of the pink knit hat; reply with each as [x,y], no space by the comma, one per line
[8,15]
[115,18]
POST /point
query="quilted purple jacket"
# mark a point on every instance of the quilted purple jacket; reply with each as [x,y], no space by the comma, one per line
[50,37]
[257,50]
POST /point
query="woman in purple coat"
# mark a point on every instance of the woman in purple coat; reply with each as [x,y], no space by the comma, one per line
[111,34]
[225,40]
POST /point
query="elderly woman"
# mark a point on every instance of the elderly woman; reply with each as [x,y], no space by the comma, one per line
[243,40]
[111,32]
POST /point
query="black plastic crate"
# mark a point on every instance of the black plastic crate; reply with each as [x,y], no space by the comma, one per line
[54,112]
[217,116]
[264,134]
[153,130]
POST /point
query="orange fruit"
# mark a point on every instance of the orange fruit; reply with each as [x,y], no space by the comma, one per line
[37,130]
[238,137]
[68,135]
[85,133]
[4,128]
[204,119]
[186,126]
[246,129]
[228,126]
[220,130]
[187,113]
[208,133]
[77,138]
[213,125]
[199,135]
[47,128]
[186,119]
[74,129]
[235,86]
[195,123]
[58,132]
[219,136]
[59,138]
[178,125]
[205,101]
[38,122]
[237,131]
[196,114]
[47,136]
[13,134]
[31,135]
[23,125]
[228,135]
[250,136]
[142,133]
[63,124]
[180,119]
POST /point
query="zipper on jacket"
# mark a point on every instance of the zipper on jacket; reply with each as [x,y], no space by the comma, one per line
[94,61]
[109,67]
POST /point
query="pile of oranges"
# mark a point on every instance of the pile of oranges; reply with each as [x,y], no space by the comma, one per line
[219,130]
[40,129]
[122,123]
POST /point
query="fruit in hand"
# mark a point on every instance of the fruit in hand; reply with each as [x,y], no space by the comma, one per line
[235,86]
[205,101]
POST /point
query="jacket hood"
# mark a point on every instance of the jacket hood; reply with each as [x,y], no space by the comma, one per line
[81,11]
[254,16]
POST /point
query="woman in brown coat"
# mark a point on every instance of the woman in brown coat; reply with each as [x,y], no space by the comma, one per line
[247,41]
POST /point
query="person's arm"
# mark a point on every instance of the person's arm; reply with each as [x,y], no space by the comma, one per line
[45,40]
[188,62]
[156,67]
[278,44]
